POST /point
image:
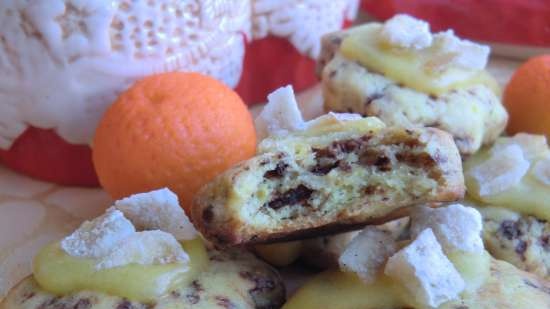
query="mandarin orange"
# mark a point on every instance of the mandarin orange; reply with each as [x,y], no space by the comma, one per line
[527,97]
[175,130]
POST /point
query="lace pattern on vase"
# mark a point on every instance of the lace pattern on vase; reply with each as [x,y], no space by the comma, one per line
[303,22]
[64,61]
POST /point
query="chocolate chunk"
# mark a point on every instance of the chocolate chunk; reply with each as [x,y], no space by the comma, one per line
[521,247]
[208,214]
[369,190]
[545,242]
[321,169]
[420,160]
[383,163]
[369,157]
[373,97]
[278,172]
[348,146]
[510,229]
[262,284]
[193,297]
[125,304]
[412,143]
[328,152]
[293,196]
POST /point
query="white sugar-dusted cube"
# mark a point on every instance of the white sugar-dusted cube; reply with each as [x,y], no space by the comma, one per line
[145,248]
[466,54]
[532,145]
[503,170]
[367,253]
[99,236]
[407,32]
[157,210]
[424,270]
[541,170]
[280,115]
[456,227]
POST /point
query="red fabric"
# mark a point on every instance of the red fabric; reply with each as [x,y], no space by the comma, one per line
[44,155]
[270,63]
[524,22]
[273,62]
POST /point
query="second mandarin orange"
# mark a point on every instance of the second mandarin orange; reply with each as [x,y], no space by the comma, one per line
[175,130]
[527,97]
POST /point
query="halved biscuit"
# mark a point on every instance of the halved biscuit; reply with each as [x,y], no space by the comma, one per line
[331,177]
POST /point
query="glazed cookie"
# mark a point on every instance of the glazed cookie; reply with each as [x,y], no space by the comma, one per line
[361,72]
[506,288]
[514,173]
[233,279]
[441,264]
[520,240]
[327,178]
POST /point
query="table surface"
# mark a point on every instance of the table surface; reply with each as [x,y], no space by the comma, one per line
[34,213]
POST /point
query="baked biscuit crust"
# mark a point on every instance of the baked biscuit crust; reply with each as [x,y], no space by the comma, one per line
[304,187]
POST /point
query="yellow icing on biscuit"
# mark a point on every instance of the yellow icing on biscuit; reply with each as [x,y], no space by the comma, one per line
[427,70]
[62,274]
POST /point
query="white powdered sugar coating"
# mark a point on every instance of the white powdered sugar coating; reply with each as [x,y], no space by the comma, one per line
[465,54]
[145,248]
[111,239]
[98,237]
[407,32]
[64,61]
[160,210]
[367,253]
[425,271]
[503,170]
[302,22]
[280,115]
[457,228]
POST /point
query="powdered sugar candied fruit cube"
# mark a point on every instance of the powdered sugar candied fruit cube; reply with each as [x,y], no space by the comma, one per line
[145,248]
[280,115]
[503,170]
[456,227]
[99,236]
[424,270]
[407,32]
[160,210]
[367,253]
